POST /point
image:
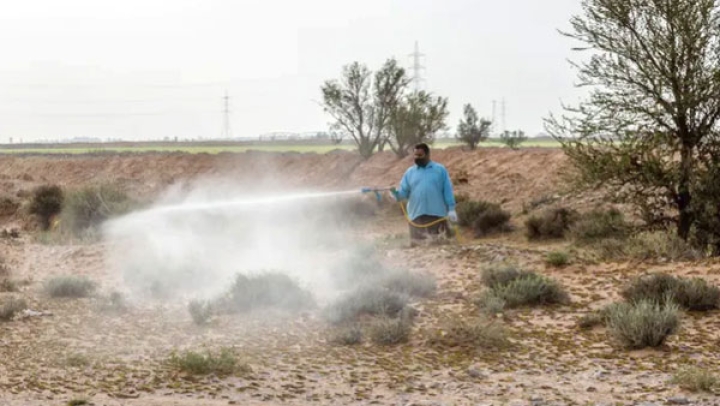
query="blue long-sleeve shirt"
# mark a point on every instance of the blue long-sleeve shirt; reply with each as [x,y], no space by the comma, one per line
[428,190]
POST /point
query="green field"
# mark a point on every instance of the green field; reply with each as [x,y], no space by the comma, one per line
[215,149]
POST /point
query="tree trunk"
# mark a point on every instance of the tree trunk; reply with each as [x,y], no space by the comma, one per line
[685,219]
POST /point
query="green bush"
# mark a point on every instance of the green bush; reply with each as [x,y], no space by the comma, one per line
[552,224]
[222,363]
[557,259]
[373,301]
[90,206]
[518,287]
[47,202]
[474,333]
[491,304]
[483,217]
[691,294]
[388,331]
[642,324]
[495,276]
[10,307]
[69,287]
[599,225]
[270,289]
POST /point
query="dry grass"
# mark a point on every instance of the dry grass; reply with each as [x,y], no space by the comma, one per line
[696,380]
[347,335]
[476,333]
[388,331]
[200,311]
[691,294]
[419,284]
[222,363]
[557,259]
[69,287]
[10,307]
[518,287]
[265,290]
[642,324]
[371,301]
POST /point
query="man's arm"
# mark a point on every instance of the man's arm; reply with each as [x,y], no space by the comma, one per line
[404,191]
[448,193]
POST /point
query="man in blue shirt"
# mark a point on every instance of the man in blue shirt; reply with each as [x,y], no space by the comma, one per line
[428,189]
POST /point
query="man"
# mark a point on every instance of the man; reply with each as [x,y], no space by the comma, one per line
[429,192]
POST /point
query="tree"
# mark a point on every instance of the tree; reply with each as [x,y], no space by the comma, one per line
[648,132]
[513,139]
[471,130]
[417,118]
[361,104]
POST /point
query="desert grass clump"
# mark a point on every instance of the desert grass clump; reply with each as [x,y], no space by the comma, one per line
[517,287]
[418,284]
[347,335]
[557,259]
[90,206]
[641,324]
[665,244]
[115,302]
[200,311]
[552,224]
[78,402]
[475,333]
[482,217]
[69,287]
[696,380]
[390,331]
[598,225]
[8,285]
[222,363]
[367,300]
[266,290]
[77,360]
[46,203]
[10,307]
[362,266]
[692,294]
[495,276]
[489,303]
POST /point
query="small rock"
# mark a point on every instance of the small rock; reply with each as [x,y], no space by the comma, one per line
[678,401]
[591,389]
[477,373]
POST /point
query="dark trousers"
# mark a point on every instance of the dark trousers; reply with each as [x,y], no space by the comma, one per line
[422,233]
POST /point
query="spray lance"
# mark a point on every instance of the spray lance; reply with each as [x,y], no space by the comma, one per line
[377,191]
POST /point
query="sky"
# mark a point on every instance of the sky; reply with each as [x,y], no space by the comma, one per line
[149,69]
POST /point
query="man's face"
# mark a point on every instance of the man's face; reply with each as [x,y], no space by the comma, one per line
[421,159]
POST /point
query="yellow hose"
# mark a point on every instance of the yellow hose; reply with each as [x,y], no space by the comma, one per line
[430,224]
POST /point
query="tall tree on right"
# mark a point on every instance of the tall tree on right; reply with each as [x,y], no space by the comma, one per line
[471,129]
[648,133]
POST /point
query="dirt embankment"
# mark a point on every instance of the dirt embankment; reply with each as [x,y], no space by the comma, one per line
[501,175]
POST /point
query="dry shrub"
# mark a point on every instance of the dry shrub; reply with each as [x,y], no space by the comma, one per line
[641,324]
[691,294]
[266,290]
[8,285]
[552,224]
[522,288]
[475,333]
[46,203]
[8,206]
[660,244]
[90,206]
[200,311]
[557,259]
[489,303]
[222,363]
[346,335]
[495,276]
[483,217]
[70,287]
[598,225]
[373,301]
[696,380]
[418,284]
[10,307]
[390,331]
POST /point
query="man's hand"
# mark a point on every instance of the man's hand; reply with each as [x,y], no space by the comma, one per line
[395,194]
[452,216]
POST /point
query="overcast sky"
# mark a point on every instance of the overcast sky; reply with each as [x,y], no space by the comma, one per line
[149,69]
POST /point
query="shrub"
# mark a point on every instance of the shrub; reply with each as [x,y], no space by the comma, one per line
[10,307]
[47,202]
[490,303]
[696,380]
[591,320]
[8,285]
[691,294]
[92,205]
[474,333]
[642,324]
[271,289]
[551,224]
[350,335]
[387,331]
[557,259]
[496,276]
[650,245]
[532,290]
[419,284]
[69,286]
[483,217]
[200,311]
[114,303]
[78,402]
[599,225]
[366,301]
[362,266]
[223,363]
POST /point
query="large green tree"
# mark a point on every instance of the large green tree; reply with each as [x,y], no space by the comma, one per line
[361,103]
[417,118]
[648,132]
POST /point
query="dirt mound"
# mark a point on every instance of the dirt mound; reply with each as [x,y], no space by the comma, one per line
[500,175]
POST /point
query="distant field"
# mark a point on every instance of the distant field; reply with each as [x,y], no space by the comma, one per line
[215,149]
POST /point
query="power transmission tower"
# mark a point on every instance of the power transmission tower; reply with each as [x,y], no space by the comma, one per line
[417,67]
[503,116]
[493,124]
[226,117]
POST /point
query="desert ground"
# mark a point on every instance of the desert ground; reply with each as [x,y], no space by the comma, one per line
[70,349]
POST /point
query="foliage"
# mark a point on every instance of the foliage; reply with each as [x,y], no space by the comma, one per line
[419,284]
[415,119]
[70,287]
[222,363]
[643,323]
[477,333]
[513,139]
[88,207]
[10,307]
[599,224]
[374,301]
[489,303]
[551,224]
[390,331]
[347,335]
[557,259]
[471,130]
[200,311]
[696,380]
[47,202]
[265,290]
[362,105]
[483,217]
[518,287]
[691,294]
[648,132]
[496,276]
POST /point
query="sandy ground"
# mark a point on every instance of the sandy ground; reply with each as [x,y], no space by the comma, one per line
[551,362]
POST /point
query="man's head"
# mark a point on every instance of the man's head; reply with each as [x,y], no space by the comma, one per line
[422,154]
